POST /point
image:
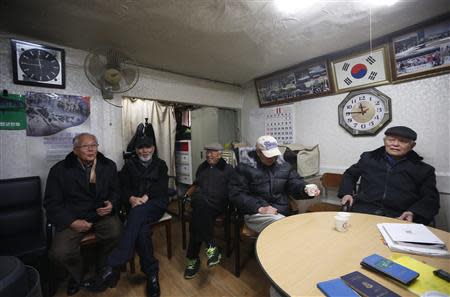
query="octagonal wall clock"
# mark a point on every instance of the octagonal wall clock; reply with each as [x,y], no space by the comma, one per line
[365,112]
[38,65]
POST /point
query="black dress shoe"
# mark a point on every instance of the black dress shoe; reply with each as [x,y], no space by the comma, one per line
[153,289]
[108,278]
[72,287]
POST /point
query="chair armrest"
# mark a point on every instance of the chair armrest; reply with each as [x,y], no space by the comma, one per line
[293,205]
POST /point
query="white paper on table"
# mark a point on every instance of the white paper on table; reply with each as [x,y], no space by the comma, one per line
[425,250]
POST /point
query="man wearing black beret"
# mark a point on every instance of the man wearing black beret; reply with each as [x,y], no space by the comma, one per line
[395,182]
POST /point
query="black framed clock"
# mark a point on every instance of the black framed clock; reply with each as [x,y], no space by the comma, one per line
[365,112]
[38,65]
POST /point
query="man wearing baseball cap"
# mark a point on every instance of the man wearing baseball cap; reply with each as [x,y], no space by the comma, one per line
[260,189]
[395,182]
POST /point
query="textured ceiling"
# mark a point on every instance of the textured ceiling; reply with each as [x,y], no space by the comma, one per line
[230,41]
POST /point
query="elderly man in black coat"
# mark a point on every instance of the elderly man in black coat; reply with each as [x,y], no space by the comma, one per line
[395,182]
[144,183]
[81,195]
[209,200]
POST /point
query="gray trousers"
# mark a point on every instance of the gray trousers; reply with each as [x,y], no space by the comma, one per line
[257,222]
[65,248]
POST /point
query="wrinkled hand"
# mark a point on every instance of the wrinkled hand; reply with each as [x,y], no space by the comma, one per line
[106,210]
[135,201]
[406,216]
[80,226]
[268,210]
[347,198]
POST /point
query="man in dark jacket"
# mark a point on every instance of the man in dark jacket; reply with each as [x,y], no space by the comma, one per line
[81,194]
[144,182]
[209,200]
[260,190]
[394,180]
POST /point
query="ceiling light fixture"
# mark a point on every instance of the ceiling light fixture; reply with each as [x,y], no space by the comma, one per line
[381,2]
[291,6]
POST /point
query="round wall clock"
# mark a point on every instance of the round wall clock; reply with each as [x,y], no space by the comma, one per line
[364,112]
[38,65]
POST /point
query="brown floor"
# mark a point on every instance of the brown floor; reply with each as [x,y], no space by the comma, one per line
[216,281]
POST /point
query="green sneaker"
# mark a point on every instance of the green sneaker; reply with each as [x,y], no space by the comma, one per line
[213,255]
[192,267]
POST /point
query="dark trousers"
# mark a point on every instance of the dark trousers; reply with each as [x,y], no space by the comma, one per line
[201,227]
[137,235]
[66,245]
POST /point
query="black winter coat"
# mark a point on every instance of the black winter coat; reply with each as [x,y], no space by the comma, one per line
[257,185]
[137,180]
[409,185]
[68,196]
[212,184]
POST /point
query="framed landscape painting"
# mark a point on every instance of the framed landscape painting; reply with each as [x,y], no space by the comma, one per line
[294,84]
[422,52]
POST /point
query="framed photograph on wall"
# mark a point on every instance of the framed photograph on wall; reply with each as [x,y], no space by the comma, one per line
[362,70]
[420,53]
[294,84]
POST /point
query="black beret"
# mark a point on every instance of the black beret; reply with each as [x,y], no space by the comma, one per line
[402,131]
[144,141]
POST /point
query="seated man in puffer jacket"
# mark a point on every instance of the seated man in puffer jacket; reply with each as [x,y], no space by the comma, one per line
[261,188]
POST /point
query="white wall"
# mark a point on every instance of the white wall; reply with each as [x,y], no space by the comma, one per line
[421,104]
[25,156]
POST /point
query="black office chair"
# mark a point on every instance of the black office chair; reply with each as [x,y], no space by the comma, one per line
[22,228]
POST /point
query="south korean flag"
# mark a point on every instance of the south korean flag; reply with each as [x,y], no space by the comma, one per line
[359,71]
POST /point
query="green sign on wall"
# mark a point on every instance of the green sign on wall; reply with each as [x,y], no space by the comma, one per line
[12,112]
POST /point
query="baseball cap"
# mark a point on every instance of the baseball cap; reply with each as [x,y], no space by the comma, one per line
[268,146]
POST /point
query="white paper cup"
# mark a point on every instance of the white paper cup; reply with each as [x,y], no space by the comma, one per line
[311,189]
[341,223]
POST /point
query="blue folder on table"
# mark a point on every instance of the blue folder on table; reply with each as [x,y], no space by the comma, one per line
[336,288]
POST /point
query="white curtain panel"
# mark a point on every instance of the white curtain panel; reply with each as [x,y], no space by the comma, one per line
[162,118]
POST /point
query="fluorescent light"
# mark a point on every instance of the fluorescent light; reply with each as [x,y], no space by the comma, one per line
[291,6]
[381,2]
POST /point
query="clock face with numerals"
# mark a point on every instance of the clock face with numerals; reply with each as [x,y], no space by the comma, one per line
[364,112]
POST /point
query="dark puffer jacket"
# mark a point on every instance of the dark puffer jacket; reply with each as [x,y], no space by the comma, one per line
[137,180]
[212,184]
[257,185]
[68,196]
[409,185]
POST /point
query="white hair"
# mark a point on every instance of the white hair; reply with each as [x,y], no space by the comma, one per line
[76,139]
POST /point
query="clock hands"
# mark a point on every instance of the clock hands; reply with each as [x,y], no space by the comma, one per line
[363,111]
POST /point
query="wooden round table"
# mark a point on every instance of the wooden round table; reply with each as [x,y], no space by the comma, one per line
[299,251]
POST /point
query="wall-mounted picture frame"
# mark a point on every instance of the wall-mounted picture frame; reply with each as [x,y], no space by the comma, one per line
[361,70]
[422,52]
[300,82]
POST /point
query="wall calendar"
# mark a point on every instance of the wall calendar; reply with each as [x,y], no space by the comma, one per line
[279,122]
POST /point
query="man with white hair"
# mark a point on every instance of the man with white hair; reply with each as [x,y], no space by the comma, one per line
[261,188]
[81,195]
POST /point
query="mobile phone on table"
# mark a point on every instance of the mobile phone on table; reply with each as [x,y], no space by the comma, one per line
[389,269]
[442,274]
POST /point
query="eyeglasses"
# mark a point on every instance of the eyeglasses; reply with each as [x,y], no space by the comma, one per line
[88,146]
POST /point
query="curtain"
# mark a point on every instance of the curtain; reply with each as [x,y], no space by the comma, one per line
[161,117]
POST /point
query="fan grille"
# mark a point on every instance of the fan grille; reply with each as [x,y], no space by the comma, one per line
[111,70]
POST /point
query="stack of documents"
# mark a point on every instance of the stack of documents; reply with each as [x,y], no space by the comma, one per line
[412,238]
